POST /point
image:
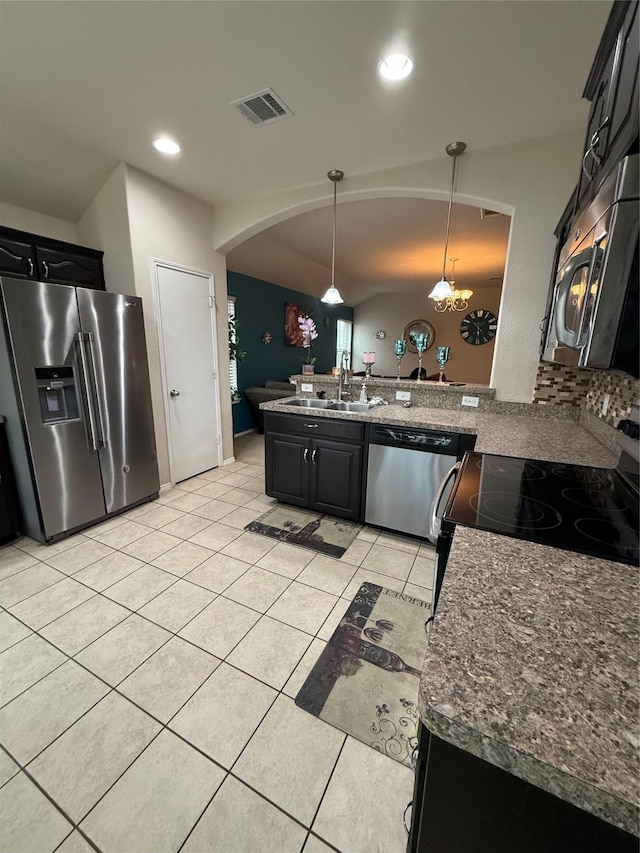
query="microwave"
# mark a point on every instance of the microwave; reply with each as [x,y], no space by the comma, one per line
[594,308]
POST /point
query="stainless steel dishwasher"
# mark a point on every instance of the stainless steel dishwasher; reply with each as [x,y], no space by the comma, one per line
[405,469]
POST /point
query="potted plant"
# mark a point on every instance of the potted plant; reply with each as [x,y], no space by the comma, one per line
[309,334]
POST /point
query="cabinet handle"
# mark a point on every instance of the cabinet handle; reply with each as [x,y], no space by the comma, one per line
[589,175]
[313,456]
[306,454]
[593,143]
[30,262]
[404,816]
[312,426]
[45,269]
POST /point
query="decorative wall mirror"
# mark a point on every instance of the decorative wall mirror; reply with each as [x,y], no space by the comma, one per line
[418,327]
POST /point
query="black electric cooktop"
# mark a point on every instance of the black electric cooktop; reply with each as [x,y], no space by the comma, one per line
[588,510]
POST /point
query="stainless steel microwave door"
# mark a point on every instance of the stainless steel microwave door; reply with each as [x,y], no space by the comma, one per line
[43,325]
[114,327]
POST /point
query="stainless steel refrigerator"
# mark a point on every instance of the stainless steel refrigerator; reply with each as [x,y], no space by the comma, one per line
[74,389]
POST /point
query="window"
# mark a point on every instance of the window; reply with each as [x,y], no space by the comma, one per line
[233,339]
[344,330]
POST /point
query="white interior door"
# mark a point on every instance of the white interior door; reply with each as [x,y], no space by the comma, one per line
[188,344]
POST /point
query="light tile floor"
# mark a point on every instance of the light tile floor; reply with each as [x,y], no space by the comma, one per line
[148,668]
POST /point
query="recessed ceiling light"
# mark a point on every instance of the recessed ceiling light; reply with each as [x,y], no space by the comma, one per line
[397,66]
[166,145]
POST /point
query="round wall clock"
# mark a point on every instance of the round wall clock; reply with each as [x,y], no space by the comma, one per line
[479,327]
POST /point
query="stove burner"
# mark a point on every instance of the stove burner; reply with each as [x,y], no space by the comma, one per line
[595,499]
[621,536]
[525,514]
[511,469]
[585,477]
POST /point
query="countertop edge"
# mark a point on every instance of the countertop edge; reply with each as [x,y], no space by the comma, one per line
[579,793]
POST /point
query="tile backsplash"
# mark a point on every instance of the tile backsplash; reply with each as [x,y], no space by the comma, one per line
[558,384]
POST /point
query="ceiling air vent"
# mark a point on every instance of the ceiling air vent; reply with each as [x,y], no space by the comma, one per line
[485,213]
[263,107]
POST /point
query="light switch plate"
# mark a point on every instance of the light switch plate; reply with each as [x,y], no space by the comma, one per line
[306,386]
[470,401]
[403,395]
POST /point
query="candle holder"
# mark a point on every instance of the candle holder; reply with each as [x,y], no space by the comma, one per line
[400,348]
[420,341]
[442,357]
[369,359]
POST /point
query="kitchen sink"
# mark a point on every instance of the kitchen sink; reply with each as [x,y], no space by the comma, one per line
[331,405]
[340,406]
[308,403]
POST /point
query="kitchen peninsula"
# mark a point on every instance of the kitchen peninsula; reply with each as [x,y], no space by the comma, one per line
[532,661]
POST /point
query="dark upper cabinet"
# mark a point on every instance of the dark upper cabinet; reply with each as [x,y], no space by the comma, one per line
[612,88]
[61,267]
[623,121]
[17,258]
[24,255]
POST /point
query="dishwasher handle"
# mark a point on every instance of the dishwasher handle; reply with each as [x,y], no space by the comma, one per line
[436,520]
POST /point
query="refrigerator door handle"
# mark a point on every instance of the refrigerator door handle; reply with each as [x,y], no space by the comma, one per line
[101,440]
[91,423]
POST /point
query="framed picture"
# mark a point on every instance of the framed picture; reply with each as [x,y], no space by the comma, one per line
[292,332]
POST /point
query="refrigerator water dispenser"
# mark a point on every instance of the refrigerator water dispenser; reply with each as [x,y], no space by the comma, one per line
[57,394]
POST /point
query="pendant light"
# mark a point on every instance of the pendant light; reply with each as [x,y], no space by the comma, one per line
[332,296]
[443,289]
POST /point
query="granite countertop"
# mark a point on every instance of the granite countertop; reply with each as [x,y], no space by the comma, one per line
[532,665]
[537,435]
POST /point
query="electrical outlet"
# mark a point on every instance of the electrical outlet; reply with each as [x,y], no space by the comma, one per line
[470,401]
[403,395]
[605,403]
[306,386]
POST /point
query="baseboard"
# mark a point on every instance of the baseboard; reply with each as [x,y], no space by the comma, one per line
[229,460]
[165,487]
[246,432]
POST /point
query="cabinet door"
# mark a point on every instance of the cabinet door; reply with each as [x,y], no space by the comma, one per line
[336,478]
[287,468]
[623,113]
[17,259]
[60,267]
[597,135]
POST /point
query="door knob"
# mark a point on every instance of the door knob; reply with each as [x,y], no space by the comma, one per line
[174,393]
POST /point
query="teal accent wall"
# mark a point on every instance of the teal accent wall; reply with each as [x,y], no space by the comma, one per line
[259,309]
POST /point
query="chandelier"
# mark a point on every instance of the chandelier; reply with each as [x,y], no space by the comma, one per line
[443,290]
[332,296]
[459,299]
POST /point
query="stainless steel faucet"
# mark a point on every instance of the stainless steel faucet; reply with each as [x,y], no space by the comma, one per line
[343,380]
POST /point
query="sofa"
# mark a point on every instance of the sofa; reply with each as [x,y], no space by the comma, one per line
[272,390]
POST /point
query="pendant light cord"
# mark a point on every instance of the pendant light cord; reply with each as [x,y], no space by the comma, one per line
[446,241]
[333,255]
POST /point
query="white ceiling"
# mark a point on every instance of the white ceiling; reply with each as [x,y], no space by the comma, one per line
[86,85]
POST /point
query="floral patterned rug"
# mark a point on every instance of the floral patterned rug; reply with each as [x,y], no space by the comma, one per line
[365,682]
[323,533]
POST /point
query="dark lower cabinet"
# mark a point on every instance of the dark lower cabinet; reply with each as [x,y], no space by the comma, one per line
[336,478]
[287,475]
[463,804]
[320,473]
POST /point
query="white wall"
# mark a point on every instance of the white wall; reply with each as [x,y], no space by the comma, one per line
[167,224]
[105,224]
[531,181]
[39,223]
[391,313]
